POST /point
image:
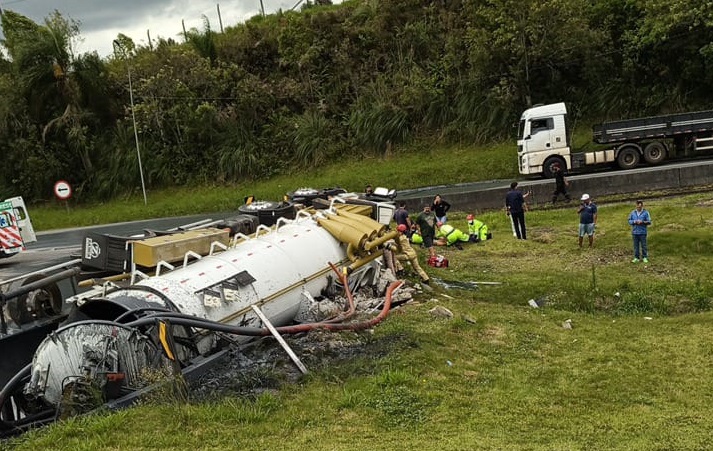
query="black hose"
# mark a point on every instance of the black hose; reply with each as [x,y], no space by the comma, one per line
[8,389]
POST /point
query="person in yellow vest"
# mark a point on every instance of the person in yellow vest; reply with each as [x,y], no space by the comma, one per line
[477,230]
[415,237]
[406,253]
[448,235]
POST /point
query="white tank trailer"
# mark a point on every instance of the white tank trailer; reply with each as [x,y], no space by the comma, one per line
[167,323]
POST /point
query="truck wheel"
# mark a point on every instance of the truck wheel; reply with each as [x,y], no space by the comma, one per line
[40,303]
[628,158]
[655,152]
[269,212]
[548,169]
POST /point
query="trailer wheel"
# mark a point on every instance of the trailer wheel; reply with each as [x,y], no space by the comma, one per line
[40,303]
[655,152]
[269,212]
[628,158]
[548,169]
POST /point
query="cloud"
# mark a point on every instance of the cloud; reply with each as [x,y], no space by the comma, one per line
[102,20]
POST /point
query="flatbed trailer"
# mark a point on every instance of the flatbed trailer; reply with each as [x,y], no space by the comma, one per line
[656,127]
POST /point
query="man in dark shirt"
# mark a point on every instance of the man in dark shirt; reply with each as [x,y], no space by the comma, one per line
[401,217]
[561,184]
[587,219]
[515,206]
[426,223]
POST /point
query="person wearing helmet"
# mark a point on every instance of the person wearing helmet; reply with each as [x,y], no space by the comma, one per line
[587,219]
[405,253]
[477,230]
[450,236]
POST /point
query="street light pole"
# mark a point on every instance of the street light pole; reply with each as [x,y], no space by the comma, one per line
[117,45]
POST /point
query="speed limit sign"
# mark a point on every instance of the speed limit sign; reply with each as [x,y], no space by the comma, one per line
[62,190]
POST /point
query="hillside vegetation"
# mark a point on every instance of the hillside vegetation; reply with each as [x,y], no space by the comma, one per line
[296,90]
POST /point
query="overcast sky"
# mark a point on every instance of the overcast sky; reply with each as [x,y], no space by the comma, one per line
[102,20]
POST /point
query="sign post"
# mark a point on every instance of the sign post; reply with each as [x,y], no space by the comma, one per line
[63,191]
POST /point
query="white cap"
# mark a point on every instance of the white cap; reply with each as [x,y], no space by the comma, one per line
[585,196]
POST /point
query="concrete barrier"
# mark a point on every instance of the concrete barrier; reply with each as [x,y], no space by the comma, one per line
[480,197]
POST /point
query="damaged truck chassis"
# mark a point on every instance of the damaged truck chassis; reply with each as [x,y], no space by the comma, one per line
[115,338]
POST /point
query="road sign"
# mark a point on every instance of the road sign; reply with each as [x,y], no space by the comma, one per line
[62,190]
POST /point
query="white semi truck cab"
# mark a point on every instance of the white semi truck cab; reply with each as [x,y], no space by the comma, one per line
[543,139]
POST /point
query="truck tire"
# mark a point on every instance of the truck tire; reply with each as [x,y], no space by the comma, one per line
[548,169]
[628,158]
[654,152]
[40,303]
[269,212]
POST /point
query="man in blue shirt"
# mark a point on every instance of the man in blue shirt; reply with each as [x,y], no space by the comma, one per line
[640,220]
[587,219]
[515,206]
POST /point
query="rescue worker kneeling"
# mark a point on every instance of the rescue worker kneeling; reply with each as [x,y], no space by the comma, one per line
[403,252]
[448,235]
[414,236]
[477,230]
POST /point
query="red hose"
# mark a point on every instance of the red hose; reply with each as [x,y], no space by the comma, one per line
[350,298]
[352,326]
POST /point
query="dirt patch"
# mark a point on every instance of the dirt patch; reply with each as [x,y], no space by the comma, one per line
[494,335]
[263,365]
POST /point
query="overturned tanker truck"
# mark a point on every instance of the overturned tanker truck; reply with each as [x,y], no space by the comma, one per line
[175,321]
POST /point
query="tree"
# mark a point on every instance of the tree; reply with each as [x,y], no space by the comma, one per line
[67,96]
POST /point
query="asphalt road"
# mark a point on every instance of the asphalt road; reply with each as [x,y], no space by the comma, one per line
[60,246]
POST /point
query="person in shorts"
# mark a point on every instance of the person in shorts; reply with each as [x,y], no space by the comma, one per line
[587,219]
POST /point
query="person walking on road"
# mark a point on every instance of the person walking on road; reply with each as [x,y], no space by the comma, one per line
[515,208]
[587,219]
[440,207]
[561,184]
[426,225]
[640,220]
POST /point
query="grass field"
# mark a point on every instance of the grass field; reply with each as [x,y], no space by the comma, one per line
[632,373]
[404,168]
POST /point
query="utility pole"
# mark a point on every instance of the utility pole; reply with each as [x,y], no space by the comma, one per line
[117,46]
[220,20]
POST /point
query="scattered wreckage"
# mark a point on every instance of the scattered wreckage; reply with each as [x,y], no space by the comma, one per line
[182,301]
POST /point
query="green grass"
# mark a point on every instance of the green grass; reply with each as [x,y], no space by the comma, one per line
[633,373]
[405,168]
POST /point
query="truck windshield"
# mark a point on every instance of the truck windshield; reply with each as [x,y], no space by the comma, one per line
[521,129]
[5,219]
